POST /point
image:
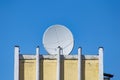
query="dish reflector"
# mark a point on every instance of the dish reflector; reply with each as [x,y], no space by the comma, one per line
[58,35]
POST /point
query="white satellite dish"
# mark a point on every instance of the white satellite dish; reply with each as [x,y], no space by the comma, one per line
[58,36]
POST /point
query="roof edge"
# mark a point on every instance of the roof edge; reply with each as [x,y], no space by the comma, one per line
[84,57]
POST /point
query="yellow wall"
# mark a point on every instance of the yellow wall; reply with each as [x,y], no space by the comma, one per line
[69,69]
[27,69]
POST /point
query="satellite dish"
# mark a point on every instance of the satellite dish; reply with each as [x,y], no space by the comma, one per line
[58,36]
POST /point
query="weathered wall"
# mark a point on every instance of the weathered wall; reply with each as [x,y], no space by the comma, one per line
[69,69]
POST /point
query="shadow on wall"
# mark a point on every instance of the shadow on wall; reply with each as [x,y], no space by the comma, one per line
[62,69]
[21,69]
[83,70]
[41,70]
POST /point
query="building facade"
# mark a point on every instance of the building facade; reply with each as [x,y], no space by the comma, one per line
[58,67]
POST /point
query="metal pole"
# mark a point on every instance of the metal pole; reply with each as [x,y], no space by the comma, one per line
[58,62]
[101,77]
[79,63]
[37,64]
[16,63]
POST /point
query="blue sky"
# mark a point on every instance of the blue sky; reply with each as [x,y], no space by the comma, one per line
[94,23]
